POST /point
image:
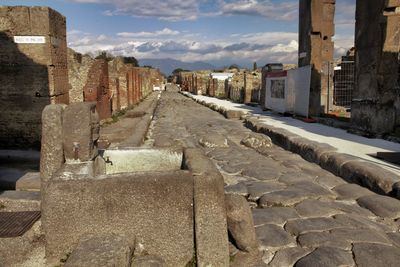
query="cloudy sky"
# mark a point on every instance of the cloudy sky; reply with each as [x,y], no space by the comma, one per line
[220,32]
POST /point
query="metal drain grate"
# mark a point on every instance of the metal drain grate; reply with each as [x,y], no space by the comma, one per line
[14,224]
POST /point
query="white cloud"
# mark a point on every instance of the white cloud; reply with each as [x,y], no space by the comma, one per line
[171,10]
[162,33]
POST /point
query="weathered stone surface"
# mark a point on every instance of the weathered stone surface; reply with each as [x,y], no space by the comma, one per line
[288,256]
[80,131]
[258,189]
[360,235]
[130,205]
[327,256]
[240,222]
[259,142]
[148,261]
[239,189]
[214,140]
[19,201]
[300,226]
[29,182]
[273,215]
[285,198]
[316,208]
[263,173]
[291,178]
[51,154]
[233,114]
[367,254]
[329,180]
[322,239]
[333,161]
[356,221]
[101,251]
[395,238]
[369,175]
[252,258]
[212,247]
[351,191]
[382,206]
[273,236]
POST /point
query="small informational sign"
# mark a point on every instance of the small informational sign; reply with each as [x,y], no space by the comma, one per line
[30,39]
[303,55]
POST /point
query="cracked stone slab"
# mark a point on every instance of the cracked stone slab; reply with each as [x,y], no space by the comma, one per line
[382,206]
[288,256]
[313,189]
[274,215]
[301,226]
[273,236]
[351,191]
[263,173]
[291,178]
[330,181]
[367,254]
[361,235]
[327,257]
[283,198]
[258,189]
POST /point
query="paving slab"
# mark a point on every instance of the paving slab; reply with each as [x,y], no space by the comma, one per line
[258,189]
[274,215]
[367,254]
[301,226]
[327,257]
[273,236]
[288,256]
[351,191]
[382,206]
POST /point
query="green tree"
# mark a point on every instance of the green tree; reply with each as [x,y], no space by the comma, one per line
[105,55]
[131,60]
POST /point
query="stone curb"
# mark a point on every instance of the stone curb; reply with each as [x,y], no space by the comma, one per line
[350,168]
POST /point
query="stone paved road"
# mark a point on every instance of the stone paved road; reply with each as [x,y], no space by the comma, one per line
[304,215]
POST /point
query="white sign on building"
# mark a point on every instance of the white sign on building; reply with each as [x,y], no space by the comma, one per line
[30,39]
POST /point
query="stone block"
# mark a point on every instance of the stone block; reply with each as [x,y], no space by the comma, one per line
[80,131]
[233,114]
[240,223]
[333,161]
[107,251]
[212,246]
[52,153]
[383,206]
[369,175]
[19,201]
[148,261]
[29,182]
[155,208]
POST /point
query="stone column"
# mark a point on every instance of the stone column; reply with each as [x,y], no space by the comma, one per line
[377,43]
[316,29]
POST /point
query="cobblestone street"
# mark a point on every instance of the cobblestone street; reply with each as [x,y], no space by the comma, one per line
[303,215]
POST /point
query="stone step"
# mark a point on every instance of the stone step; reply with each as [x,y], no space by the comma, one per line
[19,201]
[29,182]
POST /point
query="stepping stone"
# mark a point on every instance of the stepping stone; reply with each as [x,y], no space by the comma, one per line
[288,256]
[273,236]
[29,182]
[327,257]
[351,191]
[258,189]
[273,215]
[368,254]
[383,206]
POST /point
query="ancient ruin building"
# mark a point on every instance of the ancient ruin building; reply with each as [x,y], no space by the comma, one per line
[33,71]
[78,70]
[316,28]
[118,82]
[377,42]
[97,88]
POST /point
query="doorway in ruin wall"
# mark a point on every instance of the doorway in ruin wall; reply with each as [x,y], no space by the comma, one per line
[341,70]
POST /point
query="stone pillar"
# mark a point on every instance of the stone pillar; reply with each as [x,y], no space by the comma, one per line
[51,153]
[33,72]
[316,28]
[377,48]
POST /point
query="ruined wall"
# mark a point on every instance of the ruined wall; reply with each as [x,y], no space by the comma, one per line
[376,92]
[316,29]
[97,89]
[118,82]
[33,71]
[78,70]
[252,86]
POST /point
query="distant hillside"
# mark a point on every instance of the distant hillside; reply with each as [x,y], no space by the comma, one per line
[168,65]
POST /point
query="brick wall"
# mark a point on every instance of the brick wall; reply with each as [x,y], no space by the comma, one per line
[32,75]
[97,89]
[78,70]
